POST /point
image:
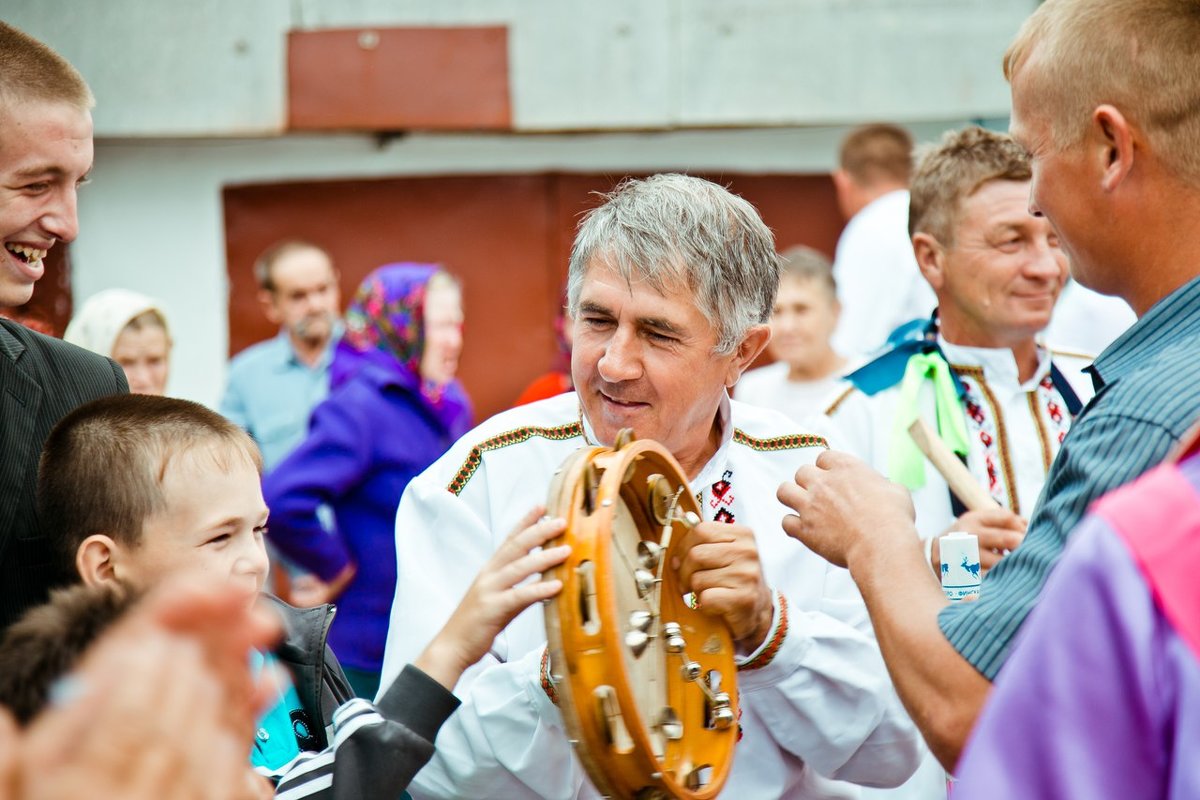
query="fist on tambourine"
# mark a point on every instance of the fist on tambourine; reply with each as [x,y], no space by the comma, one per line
[718,562]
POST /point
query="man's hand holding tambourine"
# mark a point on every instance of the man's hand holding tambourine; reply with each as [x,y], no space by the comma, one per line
[719,564]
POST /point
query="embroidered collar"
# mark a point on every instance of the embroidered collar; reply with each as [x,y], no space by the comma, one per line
[997,363]
[887,368]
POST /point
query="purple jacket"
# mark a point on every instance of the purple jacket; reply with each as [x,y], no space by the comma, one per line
[1101,697]
[373,434]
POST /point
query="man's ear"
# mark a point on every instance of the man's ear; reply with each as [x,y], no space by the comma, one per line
[267,301]
[96,560]
[748,349]
[1113,148]
[930,259]
[841,180]
[835,316]
[846,192]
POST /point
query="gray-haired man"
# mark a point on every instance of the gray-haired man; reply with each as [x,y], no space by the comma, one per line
[670,286]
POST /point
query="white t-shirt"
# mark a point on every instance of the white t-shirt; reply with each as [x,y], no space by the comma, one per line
[1087,322]
[879,284]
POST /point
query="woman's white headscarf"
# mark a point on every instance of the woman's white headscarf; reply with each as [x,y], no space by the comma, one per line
[100,320]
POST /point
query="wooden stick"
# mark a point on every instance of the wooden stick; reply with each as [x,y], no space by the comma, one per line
[958,477]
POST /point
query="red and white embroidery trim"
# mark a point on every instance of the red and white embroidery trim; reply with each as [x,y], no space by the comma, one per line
[985,423]
[719,502]
[1058,418]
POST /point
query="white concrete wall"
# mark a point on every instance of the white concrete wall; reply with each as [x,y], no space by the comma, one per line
[217,67]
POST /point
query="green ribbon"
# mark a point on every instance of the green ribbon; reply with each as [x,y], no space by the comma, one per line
[906,462]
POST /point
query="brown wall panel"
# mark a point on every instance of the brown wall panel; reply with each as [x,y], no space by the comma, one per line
[385,79]
[507,237]
[491,232]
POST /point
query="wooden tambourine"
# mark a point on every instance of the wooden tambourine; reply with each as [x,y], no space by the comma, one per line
[646,683]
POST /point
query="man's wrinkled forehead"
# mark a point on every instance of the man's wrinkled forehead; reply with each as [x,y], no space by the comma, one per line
[605,290]
[665,278]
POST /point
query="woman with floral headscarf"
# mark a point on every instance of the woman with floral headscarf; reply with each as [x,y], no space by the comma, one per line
[393,408]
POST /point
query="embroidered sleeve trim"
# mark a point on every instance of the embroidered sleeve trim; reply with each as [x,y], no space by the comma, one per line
[547,679]
[795,441]
[768,653]
[517,436]
[841,398]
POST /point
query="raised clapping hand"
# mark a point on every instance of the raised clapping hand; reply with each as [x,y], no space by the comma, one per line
[719,563]
[498,594]
[161,708]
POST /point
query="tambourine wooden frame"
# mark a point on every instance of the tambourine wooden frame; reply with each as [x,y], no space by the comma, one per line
[584,660]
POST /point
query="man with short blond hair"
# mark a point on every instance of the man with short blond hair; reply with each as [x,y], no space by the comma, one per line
[45,154]
[1115,173]
[879,286]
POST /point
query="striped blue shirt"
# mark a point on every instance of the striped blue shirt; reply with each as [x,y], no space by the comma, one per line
[1148,395]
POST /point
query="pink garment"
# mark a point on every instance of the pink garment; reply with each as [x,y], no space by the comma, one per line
[1101,697]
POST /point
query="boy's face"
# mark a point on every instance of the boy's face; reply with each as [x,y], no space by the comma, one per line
[802,320]
[212,525]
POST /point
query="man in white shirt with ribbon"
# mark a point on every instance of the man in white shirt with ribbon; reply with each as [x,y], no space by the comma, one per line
[976,371]
[671,283]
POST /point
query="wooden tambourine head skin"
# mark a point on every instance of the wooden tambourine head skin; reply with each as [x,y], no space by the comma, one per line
[646,683]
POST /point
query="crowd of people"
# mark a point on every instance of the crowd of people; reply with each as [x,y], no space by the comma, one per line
[169,574]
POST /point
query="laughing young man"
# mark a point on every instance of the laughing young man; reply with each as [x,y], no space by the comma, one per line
[45,154]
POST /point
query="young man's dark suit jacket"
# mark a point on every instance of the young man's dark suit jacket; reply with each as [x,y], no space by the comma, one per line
[42,379]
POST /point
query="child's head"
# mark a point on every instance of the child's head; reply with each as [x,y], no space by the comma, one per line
[49,642]
[134,488]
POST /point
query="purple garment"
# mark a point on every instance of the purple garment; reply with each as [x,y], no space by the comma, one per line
[379,428]
[1101,697]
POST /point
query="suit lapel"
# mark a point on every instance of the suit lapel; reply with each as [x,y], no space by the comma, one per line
[20,403]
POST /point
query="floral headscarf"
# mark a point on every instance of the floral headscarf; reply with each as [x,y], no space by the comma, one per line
[385,329]
[388,313]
